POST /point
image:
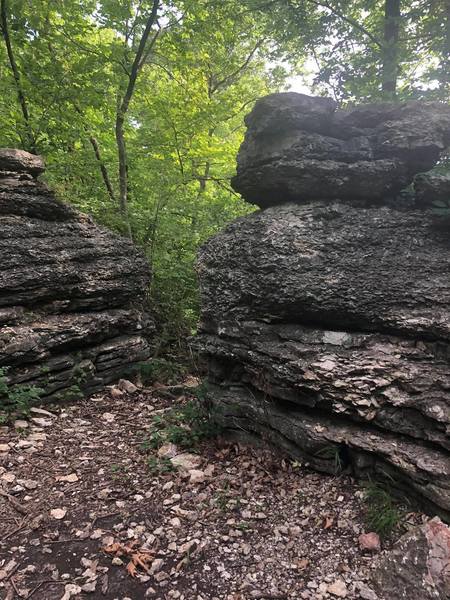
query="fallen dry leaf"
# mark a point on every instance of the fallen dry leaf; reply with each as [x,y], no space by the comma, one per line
[138,558]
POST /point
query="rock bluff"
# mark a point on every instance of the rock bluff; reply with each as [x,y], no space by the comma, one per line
[326,317]
[72,315]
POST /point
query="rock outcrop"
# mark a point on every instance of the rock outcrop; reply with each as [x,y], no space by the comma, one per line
[301,148]
[326,317]
[432,189]
[418,566]
[72,294]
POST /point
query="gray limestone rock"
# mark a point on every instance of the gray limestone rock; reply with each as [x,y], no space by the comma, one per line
[327,330]
[301,148]
[418,566]
[19,161]
[72,294]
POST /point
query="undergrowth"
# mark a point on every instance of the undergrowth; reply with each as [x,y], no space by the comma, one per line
[185,426]
[16,400]
[383,513]
[161,370]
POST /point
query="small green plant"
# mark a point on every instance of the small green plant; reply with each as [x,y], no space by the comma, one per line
[119,471]
[383,512]
[162,371]
[159,465]
[80,373]
[185,427]
[243,526]
[332,453]
[16,400]
[73,392]
[221,501]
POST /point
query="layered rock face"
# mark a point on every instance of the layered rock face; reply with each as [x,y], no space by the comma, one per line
[301,148]
[72,294]
[326,321]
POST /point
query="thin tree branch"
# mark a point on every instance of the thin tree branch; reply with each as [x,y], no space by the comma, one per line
[123,108]
[16,75]
[343,17]
[229,78]
[103,169]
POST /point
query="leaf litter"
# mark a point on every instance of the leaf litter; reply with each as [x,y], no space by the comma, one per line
[112,517]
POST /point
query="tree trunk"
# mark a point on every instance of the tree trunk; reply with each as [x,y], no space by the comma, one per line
[445,60]
[123,179]
[122,109]
[103,169]
[390,48]
[30,142]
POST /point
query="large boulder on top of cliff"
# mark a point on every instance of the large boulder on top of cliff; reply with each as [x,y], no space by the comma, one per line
[300,148]
[19,161]
[72,294]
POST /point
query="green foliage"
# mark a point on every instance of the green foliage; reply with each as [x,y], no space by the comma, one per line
[183,127]
[119,472]
[74,392]
[16,400]
[331,453]
[383,512]
[185,426]
[161,370]
[159,465]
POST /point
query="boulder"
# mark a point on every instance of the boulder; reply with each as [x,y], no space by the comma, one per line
[327,329]
[18,161]
[301,148]
[432,189]
[72,294]
[325,322]
[372,269]
[418,566]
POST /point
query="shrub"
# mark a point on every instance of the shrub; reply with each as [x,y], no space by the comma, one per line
[15,400]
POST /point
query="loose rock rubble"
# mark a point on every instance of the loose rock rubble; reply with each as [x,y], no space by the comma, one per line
[241,524]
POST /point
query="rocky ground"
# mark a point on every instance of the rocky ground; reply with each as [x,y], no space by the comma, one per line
[97,501]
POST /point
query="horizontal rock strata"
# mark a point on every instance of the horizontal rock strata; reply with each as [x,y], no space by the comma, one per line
[72,294]
[300,148]
[326,321]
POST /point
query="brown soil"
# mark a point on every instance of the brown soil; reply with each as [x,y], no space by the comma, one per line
[247,524]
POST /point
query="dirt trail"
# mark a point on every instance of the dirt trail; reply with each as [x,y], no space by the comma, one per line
[240,523]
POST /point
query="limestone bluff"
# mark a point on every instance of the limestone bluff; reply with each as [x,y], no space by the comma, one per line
[325,317]
[72,295]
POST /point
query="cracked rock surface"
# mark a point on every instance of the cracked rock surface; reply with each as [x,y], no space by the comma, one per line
[72,314]
[326,317]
